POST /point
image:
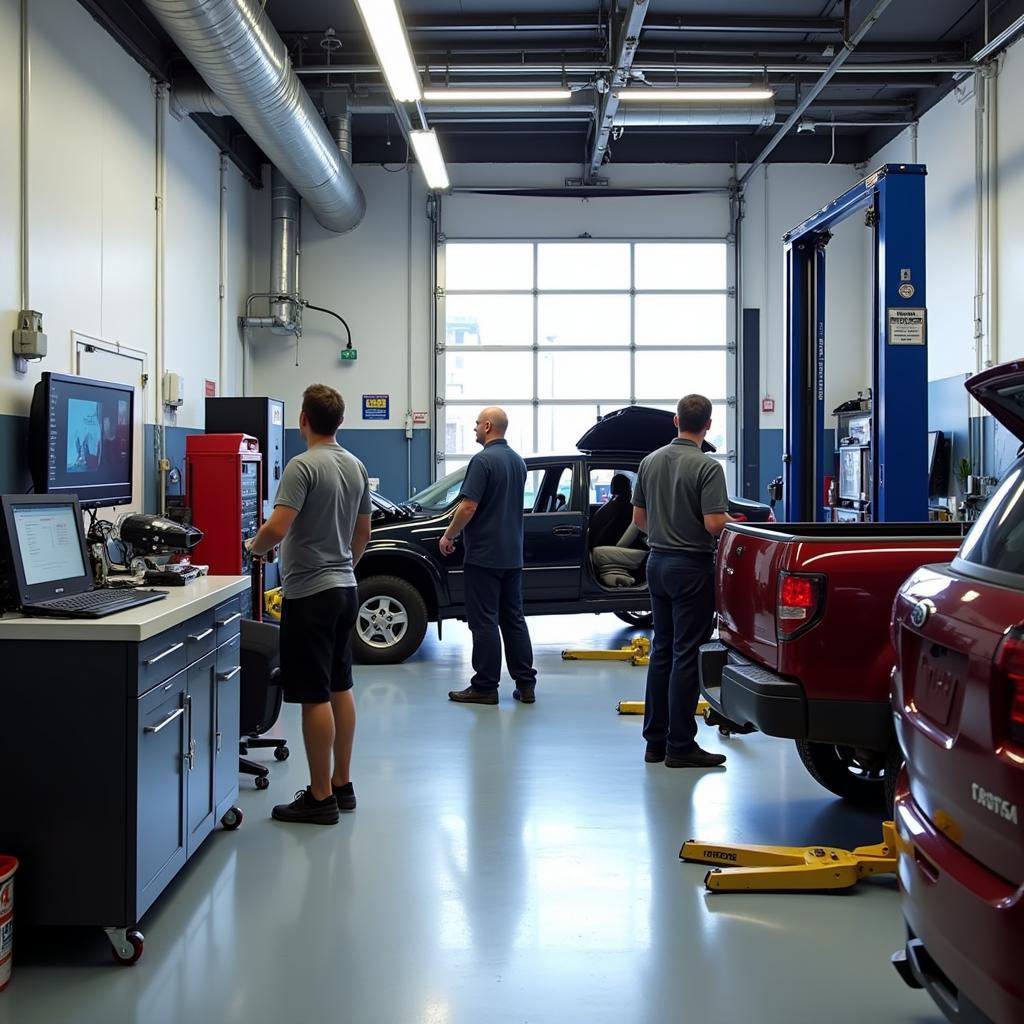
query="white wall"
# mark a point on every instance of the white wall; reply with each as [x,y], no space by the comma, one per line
[92,234]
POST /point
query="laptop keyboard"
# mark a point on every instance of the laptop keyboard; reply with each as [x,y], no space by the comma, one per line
[96,600]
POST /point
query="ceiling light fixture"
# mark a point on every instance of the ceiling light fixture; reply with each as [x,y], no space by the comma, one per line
[386,30]
[497,95]
[428,154]
[656,95]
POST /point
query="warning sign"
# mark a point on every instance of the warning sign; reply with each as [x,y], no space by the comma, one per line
[906,326]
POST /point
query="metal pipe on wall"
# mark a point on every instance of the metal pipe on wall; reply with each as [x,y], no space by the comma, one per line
[408,337]
[222,319]
[284,251]
[26,90]
[159,304]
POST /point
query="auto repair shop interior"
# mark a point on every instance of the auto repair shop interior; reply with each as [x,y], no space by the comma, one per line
[580,211]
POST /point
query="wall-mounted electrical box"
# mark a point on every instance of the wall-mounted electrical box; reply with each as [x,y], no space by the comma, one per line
[174,390]
[29,341]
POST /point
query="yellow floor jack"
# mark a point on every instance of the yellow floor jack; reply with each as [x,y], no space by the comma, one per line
[791,868]
[637,652]
[636,707]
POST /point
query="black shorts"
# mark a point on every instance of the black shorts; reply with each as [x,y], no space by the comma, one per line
[316,644]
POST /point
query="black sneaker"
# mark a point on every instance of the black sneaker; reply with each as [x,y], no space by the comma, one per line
[306,808]
[473,695]
[695,758]
[655,753]
[346,797]
[524,694]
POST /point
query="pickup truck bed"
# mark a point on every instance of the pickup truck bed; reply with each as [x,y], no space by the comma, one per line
[804,650]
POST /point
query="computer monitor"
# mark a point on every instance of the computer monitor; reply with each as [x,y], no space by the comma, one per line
[81,439]
[938,464]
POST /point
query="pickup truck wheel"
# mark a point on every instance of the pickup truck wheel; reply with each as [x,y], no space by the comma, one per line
[391,622]
[642,620]
[857,776]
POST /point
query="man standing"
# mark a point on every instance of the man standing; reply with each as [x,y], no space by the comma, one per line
[322,513]
[490,512]
[680,502]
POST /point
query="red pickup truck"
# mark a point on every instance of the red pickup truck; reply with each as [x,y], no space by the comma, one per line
[804,648]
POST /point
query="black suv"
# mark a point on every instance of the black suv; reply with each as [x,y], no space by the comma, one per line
[404,583]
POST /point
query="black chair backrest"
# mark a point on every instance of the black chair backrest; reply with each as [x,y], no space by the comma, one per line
[609,521]
[262,695]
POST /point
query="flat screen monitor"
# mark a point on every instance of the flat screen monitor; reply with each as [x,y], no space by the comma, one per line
[938,464]
[81,438]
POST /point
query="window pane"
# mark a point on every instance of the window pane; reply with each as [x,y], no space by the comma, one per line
[718,435]
[488,376]
[489,320]
[589,265]
[559,427]
[583,320]
[593,374]
[534,477]
[488,266]
[460,423]
[686,265]
[662,376]
[681,320]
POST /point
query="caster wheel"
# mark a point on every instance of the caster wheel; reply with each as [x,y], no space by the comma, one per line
[126,946]
[262,782]
[281,753]
[232,819]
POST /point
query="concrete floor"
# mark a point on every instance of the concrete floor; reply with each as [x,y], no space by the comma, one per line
[509,864]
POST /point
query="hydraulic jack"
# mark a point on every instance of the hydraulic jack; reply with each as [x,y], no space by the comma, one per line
[636,653]
[636,707]
[791,868]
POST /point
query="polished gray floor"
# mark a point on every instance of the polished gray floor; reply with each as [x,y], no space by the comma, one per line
[509,864]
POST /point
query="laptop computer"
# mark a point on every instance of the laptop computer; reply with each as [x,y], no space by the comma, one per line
[48,568]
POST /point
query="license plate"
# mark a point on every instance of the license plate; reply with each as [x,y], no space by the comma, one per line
[938,676]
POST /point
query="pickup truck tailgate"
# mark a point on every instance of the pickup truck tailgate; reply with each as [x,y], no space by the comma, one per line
[746,571]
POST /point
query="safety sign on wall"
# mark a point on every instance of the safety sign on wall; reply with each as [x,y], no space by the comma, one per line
[376,407]
[906,326]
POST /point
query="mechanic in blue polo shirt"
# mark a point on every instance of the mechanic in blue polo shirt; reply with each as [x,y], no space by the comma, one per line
[490,514]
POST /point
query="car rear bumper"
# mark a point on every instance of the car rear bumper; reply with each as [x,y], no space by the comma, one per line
[753,695]
[965,923]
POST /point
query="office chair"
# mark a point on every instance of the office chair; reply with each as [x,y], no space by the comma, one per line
[262,697]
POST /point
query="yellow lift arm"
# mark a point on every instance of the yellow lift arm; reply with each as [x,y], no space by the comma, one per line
[636,653]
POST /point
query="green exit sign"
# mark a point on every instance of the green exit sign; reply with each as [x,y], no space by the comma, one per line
[348,355]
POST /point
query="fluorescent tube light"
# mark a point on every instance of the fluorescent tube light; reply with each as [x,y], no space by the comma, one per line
[656,95]
[497,95]
[428,155]
[386,30]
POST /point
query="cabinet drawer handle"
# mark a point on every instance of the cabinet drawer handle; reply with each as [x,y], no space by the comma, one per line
[167,721]
[229,619]
[225,676]
[160,657]
[200,636]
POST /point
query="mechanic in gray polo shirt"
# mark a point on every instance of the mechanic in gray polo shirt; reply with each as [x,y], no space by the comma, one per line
[680,501]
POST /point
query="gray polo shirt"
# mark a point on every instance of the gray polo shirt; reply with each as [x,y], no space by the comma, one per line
[329,488]
[679,485]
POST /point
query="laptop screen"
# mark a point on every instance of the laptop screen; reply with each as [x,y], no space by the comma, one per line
[48,539]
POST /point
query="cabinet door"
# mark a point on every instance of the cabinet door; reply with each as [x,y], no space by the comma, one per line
[229,692]
[160,834]
[201,703]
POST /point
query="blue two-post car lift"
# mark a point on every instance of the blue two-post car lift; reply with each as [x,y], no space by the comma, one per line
[892,199]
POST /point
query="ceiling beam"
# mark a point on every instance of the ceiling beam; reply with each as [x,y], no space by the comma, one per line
[608,104]
[124,23]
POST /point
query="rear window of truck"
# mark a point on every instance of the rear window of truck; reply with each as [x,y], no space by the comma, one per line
[996,540]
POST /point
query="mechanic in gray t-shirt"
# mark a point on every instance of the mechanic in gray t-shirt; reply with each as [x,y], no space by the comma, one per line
[322,516]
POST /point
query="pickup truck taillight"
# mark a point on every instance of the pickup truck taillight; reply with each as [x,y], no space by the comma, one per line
[800,599]
[1009,663]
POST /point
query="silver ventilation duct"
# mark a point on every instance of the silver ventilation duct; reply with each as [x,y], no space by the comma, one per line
[284,251]
[240,56]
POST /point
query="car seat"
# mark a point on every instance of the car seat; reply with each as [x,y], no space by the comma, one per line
[611,519]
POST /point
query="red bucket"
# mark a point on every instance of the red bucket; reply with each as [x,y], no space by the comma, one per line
[8,865]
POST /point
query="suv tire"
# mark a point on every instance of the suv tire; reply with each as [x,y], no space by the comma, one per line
[841,770]
[641,620]
[391,621]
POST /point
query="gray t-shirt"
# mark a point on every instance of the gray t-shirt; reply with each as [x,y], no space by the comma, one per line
[679,485]
[329,488]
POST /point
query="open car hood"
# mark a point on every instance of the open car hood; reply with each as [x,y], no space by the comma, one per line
[1000,390]
[637,430]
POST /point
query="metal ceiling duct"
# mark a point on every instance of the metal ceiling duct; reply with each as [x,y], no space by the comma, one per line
[756,113]
[240,56]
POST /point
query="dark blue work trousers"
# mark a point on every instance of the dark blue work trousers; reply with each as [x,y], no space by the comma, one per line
[494,610]
[682,589]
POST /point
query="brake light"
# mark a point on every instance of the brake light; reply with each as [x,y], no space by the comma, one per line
[799,603]
[1009,663]
[739,518]
[771,517]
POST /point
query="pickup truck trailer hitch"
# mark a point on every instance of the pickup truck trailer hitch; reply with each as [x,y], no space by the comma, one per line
[791,868]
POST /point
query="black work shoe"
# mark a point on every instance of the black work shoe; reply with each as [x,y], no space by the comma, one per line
[524,694]
[473,695]
[306,808]
[346,797]
[695,758]
[655,753]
